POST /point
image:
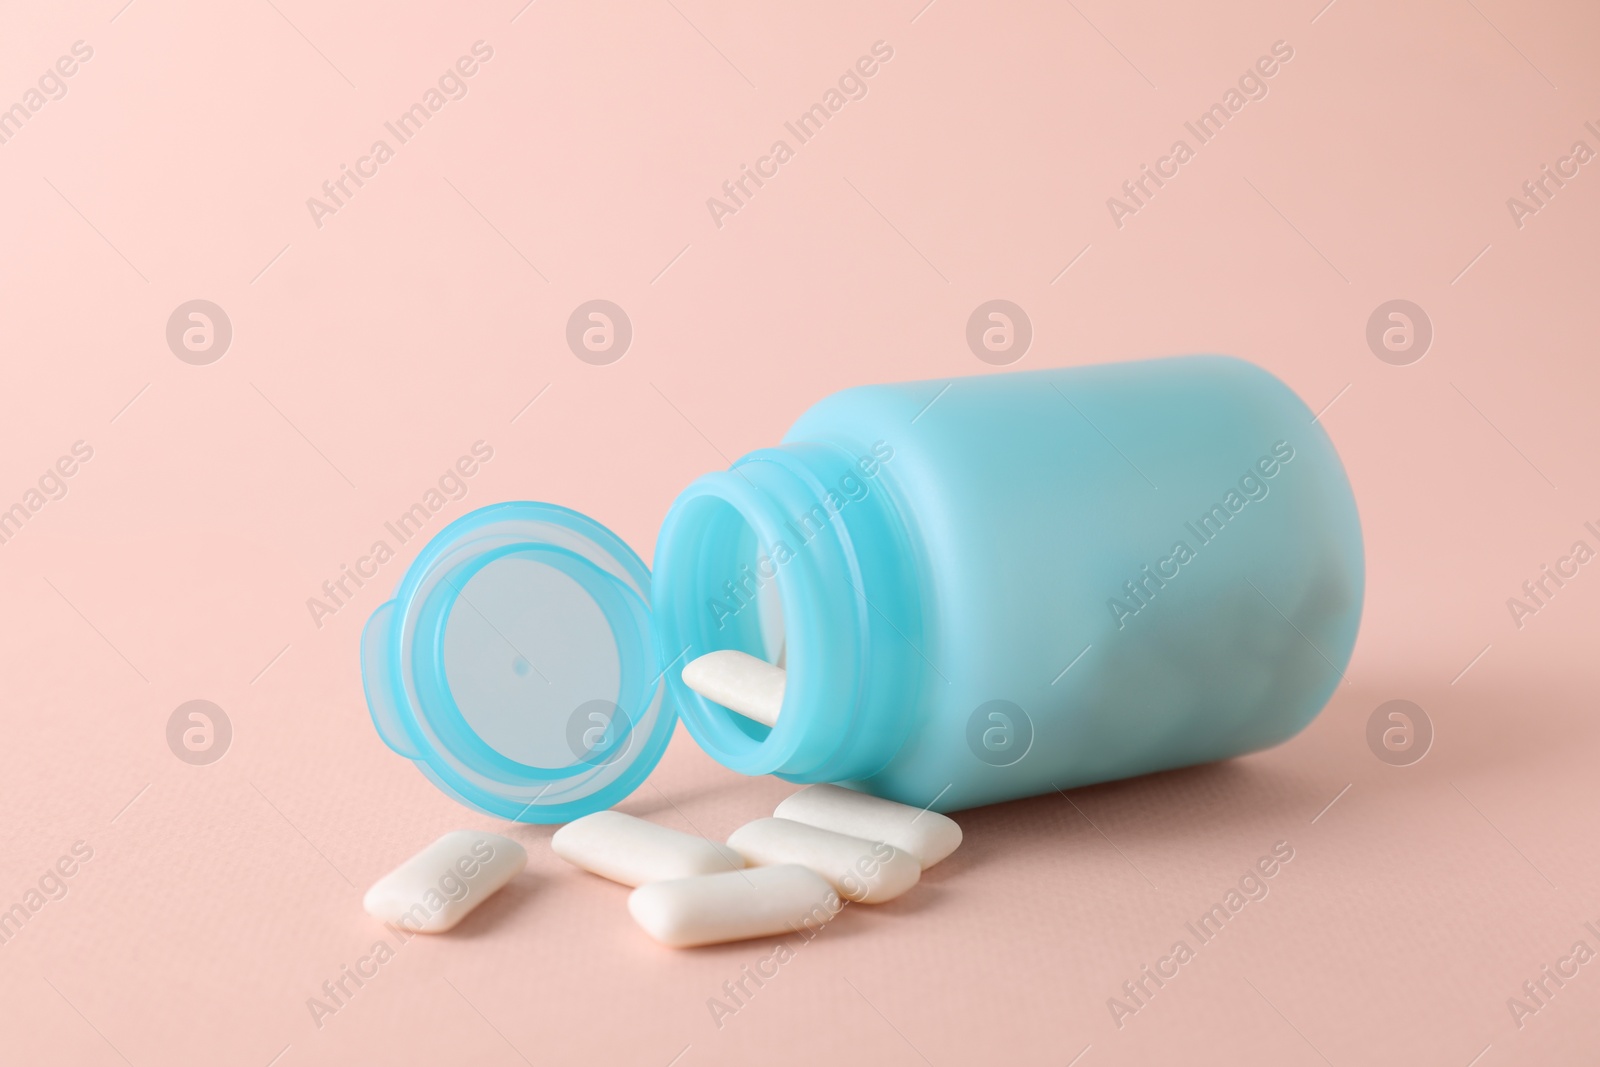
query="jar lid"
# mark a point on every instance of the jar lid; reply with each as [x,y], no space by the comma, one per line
[515,664]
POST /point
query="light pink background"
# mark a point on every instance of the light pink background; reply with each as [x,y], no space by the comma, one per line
[427,313]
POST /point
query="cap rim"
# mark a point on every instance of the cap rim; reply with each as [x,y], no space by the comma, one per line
[408,694]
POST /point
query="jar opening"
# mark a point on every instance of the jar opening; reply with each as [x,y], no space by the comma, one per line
[750,560]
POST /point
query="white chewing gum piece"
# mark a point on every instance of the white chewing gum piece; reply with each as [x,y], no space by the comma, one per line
[867,872]
[739,682]
[926,835]
[439,886]
[734,905]
[633,851]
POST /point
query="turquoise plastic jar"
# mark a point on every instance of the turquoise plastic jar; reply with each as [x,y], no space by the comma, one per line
[981,589]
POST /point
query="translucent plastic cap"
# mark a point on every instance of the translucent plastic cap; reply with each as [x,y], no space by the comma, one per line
[515,665]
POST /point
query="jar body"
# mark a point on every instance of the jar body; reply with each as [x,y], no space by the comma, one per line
[1045,579]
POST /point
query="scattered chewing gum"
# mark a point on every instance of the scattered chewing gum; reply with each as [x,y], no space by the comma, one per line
[633,851]
[739,682]
[439,886]
[734,905]
[927,835]
[866,872]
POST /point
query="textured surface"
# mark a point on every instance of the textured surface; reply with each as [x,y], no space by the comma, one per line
[430,311]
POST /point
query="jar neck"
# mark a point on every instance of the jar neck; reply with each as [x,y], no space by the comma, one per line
[811,527]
